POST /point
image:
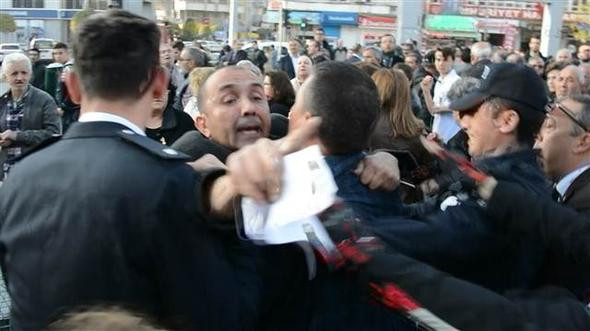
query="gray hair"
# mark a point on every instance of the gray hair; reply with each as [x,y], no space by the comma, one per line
[462,87]
[481,50]
[12,58]
[250,66]
[580,74]
[196,55]
[376,51]
[583,116]
[564,50]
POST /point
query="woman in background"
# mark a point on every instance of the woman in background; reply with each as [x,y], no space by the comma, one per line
[399,130]
[279,92]
[303,70]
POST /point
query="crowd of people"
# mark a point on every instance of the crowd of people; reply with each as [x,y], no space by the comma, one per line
[123,169]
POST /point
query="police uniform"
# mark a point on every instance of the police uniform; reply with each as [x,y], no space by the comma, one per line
[107,216]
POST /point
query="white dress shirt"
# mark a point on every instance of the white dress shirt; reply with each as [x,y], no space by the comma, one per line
[444,124]
[294,58]
[96,116]
[564,184]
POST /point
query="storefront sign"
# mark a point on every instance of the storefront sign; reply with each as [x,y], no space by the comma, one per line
[450,23]
[494,25]
[487,11]
[337,18]
[519,14]
[296,17]
[274,5]
[376,22]
[271,16]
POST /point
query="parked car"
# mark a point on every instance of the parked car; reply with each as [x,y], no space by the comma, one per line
[45,47]
[6,49]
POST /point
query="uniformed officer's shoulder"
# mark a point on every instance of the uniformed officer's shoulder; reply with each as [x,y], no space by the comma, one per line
[42,145]
[152,146]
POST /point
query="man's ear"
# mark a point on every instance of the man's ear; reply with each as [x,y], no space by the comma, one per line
[160,82]
[508,121]
[583,144]
[74,86]
[201,125]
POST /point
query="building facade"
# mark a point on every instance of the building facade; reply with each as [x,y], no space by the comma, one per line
[502,22]
[51,18]
[362,22]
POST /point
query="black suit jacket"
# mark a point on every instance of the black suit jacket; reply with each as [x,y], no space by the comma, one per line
[123,227]
[577,195]
[286,65]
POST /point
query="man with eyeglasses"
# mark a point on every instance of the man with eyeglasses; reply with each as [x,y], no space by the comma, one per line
[564,144]
[564,153]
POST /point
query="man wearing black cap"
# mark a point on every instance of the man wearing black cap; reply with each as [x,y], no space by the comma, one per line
[501,120]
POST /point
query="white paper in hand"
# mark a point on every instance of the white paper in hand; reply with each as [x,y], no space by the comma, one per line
[308,189]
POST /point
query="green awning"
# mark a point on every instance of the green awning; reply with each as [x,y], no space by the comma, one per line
[450,23]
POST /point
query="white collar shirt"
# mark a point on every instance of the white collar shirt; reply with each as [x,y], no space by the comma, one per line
[444,124]
[96,116]
[564,184]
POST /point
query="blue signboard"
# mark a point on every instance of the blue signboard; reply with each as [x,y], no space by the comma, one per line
[332,31]
[26,13]
[296,17]
[338,18]
[40,13]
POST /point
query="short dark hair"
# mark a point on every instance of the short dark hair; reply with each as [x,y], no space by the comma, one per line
[415,55]
[446,52]
[406,69]
[116,53]
[348,118]
[197,56]
[283,90]
[179,45]
[465,54]
[530,121]
[34,49]
[367,67]
[60,45]
[316,43]
[555,66]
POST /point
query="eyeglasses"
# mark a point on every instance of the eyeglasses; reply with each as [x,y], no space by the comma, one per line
[551,107]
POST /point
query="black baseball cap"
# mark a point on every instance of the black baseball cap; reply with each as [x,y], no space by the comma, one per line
[516,83]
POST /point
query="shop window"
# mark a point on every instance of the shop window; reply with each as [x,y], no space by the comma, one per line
[577,5]
[98,4]
[27,3]
[73,4]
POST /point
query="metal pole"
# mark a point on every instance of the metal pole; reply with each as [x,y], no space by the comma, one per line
[551,28]
[281,24]
[233,21]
